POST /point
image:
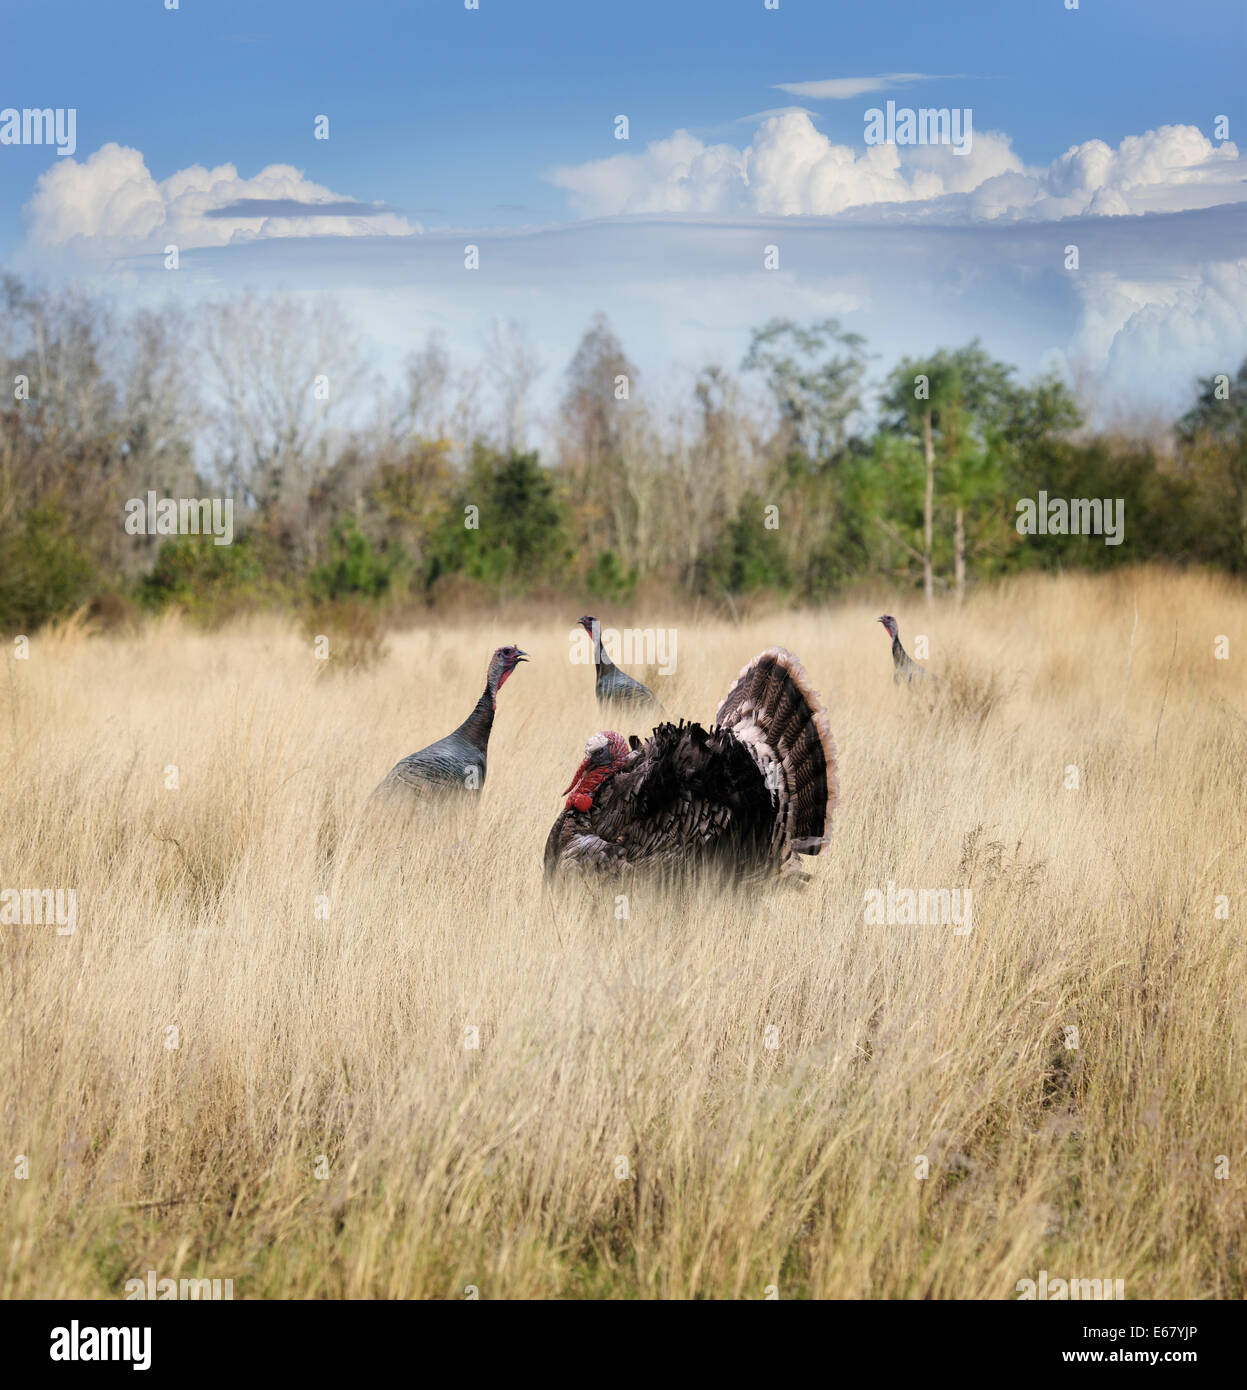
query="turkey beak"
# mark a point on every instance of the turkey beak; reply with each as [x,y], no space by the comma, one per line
[580,772]
[520,656]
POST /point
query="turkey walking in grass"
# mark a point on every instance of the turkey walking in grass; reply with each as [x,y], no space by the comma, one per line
[748,795]
[907,670]
[458,760]
[613,685]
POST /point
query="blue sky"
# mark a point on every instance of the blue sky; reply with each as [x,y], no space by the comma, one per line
[456,122]
[454,114]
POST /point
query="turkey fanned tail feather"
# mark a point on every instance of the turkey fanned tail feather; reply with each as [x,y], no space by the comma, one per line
[747,795]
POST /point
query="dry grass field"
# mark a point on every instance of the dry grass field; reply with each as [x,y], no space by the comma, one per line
[250,1058]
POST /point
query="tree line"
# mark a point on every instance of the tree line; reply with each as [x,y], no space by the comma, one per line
[790,472]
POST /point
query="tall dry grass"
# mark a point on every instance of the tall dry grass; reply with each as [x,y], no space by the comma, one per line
[310,1044]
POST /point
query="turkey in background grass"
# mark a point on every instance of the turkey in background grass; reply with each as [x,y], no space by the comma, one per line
[458,760]
[906,670]
[614,686]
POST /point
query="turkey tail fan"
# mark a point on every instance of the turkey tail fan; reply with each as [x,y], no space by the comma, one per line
[775,712]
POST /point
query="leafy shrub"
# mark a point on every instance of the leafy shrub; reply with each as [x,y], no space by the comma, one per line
[356,568]
[46,570]
[747,556]
[197,574]
[608,579]
[520,536]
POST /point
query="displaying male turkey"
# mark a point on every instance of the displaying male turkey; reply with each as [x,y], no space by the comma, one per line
[458,760]
[907,670]
[613,685]
[749,794]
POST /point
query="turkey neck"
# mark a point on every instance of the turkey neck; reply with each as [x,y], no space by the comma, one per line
[600,658]
[475,728]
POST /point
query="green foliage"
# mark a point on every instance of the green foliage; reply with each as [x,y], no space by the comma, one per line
[507,526]
[356,568]
[1220,408]
[1213,435]
[748,555]
[46,572]
[816,388]
[345,519]
[608,579]
[849,542]
[407,493]
[195,573]
[963,411]
[1165,515]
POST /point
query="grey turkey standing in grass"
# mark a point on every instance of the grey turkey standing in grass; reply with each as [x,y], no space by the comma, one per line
[614,686]
[907,670]
[458,760]
[747,796]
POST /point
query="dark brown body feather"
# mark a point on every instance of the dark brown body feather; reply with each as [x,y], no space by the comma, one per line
[746,795]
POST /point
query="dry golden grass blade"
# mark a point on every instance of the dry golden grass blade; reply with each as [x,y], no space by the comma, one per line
[252,1058]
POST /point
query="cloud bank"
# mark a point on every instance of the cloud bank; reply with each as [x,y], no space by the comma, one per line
[790,167]
[913,246]
[109,205]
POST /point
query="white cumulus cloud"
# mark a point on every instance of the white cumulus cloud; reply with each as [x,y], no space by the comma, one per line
[109,205]
[790,167]
[1196,324]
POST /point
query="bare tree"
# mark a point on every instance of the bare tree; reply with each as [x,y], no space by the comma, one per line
[597,402]
[280,370]
[442,402]
[512,366]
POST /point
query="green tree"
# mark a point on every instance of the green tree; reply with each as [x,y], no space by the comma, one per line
[1213,435]
[45,571]
[507,526]
[969,418]
[815,375]
[747,555]
[917,396]
[356,568]
[608,579]
[197,574]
